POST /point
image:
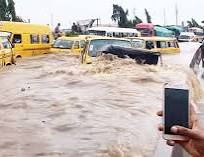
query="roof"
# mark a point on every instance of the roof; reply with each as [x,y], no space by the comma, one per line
[180,29]
[20,27]
[162,29]
[196,29]
[107,38]
[188,33]
[114,29]
[145,25]
[163,32]
[72,38]
[154,38]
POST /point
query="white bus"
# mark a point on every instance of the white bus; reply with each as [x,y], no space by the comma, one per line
[114,32]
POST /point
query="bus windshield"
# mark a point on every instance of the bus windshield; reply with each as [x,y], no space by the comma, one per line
[97,45]
[63,44]
[5,34]
[185,37]
[138,43]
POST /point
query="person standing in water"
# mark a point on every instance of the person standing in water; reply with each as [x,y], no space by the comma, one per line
[57,31]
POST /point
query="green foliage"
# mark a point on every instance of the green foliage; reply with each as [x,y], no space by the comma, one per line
[8,12]
[120,16]
[72,34]
[194,23]
[136,20]
[3,10]
[149,19]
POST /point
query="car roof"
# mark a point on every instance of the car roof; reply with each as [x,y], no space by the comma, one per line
[153,38]
[72,38]
[107,38]
[187,33]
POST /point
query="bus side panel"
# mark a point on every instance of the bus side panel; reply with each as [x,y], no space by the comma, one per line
[23,49]
[8,56]
[42,48]
[1,59]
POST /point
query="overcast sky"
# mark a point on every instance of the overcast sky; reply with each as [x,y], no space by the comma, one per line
[68,11]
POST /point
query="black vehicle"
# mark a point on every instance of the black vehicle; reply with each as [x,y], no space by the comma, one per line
[141,56]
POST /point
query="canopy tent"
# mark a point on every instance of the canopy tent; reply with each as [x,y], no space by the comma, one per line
[145,25]
[176,29]
[163,32]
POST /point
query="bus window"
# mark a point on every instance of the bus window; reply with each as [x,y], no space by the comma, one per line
[137,43]
[34,39]
[158,44]
[171,44]
[17,39]
[45,39]
[76,45]
[149,45]
[161,44]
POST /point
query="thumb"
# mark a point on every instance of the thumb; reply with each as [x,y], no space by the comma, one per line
[178,130]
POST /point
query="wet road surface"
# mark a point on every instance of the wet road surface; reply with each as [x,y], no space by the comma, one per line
[52,106]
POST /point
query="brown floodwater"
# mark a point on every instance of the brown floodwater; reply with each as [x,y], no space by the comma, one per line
[52,106]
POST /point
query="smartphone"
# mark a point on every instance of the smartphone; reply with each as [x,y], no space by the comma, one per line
[176,110]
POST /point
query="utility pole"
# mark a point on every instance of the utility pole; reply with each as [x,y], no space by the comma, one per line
[97,21]
[176,10]
[52,20]
[134,12]
[164,17]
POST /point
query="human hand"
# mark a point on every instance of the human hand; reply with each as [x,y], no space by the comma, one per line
[195,143]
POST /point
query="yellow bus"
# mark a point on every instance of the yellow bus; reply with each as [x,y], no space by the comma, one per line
[27,39]
[160,44]
[6,53]
[69,44]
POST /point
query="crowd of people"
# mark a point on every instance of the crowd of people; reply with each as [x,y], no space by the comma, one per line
[58,32]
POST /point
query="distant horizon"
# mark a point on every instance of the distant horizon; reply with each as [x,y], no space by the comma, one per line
[70,12]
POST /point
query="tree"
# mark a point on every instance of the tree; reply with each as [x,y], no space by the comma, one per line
[149,19]
[120,16]
[11,9]
[3,10]
[193,23]
[136,20]
[8,11]
[189,24]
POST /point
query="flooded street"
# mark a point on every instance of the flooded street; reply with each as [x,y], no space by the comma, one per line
[52,106]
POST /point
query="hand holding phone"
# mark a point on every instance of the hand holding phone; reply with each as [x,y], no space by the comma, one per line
[176,110]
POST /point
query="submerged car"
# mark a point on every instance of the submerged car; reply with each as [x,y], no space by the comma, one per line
[117,46]
[69,44]
[141,56]
[160,44]
[7,56]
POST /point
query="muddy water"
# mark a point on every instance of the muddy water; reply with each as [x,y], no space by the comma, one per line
[52,106]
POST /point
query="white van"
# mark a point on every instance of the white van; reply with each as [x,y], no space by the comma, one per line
[187,37]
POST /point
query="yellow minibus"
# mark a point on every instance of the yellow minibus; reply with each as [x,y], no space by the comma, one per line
[160,44]
[27,39]
[6,53]
[69,44]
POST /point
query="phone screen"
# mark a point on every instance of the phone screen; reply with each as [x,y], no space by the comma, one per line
[176,109]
